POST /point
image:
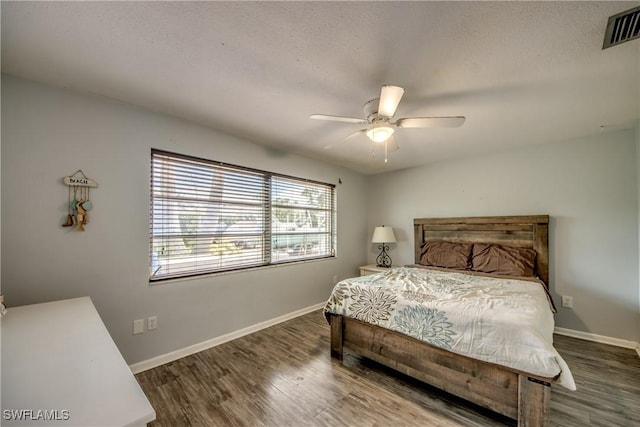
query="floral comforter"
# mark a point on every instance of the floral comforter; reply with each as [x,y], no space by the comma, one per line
[508,322]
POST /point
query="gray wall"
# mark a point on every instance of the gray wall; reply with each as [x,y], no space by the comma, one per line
[638,184]
[587,186]
[48,133]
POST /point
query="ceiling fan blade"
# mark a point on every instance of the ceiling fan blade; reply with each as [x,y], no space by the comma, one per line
[354,134]
[390,97]
[431,122]
[351,135]
[337,118]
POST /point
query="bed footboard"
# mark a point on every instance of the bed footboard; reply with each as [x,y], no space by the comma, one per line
[514,394]
[336,336]
[534,399]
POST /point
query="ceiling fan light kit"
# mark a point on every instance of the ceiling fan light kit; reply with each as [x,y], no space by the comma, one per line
[379,132]
[379,113]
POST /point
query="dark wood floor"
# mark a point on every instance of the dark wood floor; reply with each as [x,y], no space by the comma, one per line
[284,376]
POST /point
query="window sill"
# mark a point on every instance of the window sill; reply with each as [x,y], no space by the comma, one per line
[240,270]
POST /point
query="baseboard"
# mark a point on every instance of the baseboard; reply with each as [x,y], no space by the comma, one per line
[178,354]
[186,351]
[598,338]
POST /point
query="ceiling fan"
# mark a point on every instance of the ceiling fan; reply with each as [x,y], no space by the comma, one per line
[380,111]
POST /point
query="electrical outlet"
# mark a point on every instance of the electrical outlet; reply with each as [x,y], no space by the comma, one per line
[567,301]
[138,326]
[335,279]
[152,323]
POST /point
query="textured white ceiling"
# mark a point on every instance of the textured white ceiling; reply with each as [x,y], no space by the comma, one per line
[522,73]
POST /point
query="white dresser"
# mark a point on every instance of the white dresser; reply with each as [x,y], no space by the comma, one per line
[60,367]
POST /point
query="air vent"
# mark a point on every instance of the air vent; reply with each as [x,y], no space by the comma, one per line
[622,27]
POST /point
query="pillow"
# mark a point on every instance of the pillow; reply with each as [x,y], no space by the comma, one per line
[440,253]
[503,260]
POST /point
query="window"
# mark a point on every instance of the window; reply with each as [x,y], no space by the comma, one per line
[209,216]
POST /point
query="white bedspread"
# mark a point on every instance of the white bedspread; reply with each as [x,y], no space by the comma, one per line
[508,322]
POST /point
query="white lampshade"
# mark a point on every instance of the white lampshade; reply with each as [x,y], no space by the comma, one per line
[380,133]
[383,235]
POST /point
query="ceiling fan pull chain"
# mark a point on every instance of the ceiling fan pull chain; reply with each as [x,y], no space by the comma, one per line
[385,151]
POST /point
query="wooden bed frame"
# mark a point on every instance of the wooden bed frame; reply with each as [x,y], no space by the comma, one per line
[516,394]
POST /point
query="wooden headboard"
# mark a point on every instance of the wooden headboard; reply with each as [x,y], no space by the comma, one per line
[521,231]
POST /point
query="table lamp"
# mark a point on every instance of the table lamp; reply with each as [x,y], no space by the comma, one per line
[383,235]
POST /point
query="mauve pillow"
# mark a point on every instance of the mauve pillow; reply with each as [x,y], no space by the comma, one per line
[440,253]
[503,260]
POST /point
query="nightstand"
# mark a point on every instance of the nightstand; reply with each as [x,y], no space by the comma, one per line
[366,270]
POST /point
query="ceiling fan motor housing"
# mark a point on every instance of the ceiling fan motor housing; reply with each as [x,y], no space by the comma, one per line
[370,109]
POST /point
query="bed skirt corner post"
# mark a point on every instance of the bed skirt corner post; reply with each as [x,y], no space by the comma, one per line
[336,336]
[534,398]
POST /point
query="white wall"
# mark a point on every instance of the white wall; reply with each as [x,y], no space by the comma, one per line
[587,186]
[48,133]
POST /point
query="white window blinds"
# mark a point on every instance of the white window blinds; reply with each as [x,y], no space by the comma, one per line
[209,216]
[302,219]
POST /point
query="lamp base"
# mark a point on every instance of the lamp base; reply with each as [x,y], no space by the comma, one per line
[383,260]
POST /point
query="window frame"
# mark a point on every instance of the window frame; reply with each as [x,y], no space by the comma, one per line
[266,205]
